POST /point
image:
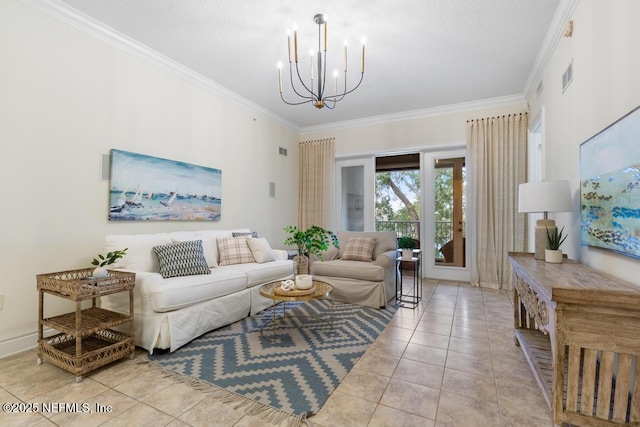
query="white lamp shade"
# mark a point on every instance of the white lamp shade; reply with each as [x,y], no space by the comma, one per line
[544,196]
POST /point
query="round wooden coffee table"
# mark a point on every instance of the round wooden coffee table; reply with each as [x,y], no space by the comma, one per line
[321,290]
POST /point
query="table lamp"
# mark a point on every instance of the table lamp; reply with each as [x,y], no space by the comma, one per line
[544,196]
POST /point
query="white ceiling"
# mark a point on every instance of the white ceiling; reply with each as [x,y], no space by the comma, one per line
[419,53]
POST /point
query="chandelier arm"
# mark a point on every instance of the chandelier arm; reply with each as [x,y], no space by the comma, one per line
[339,96]
[313,95]
[294,103]
[342,95]
[294,87]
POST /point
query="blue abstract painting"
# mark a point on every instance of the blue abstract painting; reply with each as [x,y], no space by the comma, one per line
[610,187]
[151,188]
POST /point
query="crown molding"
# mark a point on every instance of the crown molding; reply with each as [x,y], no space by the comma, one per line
[91,26]
[418,114]
[552,38]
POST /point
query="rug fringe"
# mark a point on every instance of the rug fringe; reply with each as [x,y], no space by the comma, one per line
[249,407]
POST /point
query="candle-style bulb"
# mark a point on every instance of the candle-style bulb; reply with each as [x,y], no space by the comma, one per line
[345,55]
[295,44]
[311,63]
[362,65]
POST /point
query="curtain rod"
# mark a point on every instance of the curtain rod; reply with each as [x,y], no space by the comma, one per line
[316,140]
[497,117]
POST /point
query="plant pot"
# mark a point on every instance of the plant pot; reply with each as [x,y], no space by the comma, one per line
[300,264]
[407,253]
[100,272]
[553,256]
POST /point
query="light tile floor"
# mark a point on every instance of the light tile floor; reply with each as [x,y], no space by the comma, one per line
[449,362]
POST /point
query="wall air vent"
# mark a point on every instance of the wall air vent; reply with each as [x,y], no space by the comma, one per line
[567,76]
[282,151]
[539,89]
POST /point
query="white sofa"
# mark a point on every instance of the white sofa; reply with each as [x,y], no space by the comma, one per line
[170,312]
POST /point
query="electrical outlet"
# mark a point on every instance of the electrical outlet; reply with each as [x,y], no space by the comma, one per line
[1,301]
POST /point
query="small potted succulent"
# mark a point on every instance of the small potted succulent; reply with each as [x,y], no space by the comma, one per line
[407,244]
[100,271]
[555,238]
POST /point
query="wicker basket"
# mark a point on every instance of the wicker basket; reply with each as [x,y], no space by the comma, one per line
[78,285]
[98,349]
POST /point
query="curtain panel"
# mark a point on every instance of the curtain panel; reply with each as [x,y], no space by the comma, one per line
[497,165]
[316,183]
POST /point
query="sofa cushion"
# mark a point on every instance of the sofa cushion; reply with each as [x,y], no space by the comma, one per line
[181,259]
[179,292]
[261,250]
[234,250]
[359,249]
[140,256]
[258,274]
[352,269]
[385,240]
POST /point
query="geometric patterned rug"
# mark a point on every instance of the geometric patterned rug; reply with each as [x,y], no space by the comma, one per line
[293,375]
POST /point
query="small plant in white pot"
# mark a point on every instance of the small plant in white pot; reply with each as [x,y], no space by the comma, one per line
[555,237]
[100,271]
[407,244]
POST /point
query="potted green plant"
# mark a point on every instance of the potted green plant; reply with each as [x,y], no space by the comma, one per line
[312,241]
[555,239]
[100,271]
[407,244]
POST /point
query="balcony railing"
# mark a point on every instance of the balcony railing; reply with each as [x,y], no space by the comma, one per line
[402,228]
[443,231]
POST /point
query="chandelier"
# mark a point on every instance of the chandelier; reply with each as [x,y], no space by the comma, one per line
[314,88]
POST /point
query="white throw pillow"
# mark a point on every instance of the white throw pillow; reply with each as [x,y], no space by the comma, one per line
[140,255]
[261,250]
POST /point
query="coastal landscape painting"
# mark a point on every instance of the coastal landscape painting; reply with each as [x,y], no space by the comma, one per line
[144,187]
[610,187]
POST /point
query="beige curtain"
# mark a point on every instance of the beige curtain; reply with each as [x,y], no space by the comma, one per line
[316,183]
[497,165]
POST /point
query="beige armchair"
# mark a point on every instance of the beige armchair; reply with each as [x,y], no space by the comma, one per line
[359,273]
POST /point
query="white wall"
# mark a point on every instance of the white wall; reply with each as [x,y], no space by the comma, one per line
[433,130]
[66,98]
[606,85]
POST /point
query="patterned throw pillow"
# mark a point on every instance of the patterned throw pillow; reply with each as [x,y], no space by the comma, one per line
[253,234]
[359,249]
[234,250]
[181,259]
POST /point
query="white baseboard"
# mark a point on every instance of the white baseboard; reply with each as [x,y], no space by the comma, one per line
[21,344]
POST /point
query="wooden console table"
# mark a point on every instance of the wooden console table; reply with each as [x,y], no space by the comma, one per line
[580,332]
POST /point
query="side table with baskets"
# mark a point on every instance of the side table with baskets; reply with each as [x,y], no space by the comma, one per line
[86,340]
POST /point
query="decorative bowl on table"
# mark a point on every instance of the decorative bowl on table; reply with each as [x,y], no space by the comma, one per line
[304,281]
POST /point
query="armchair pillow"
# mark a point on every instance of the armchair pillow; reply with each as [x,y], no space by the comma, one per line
[181,259]
[359,249]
